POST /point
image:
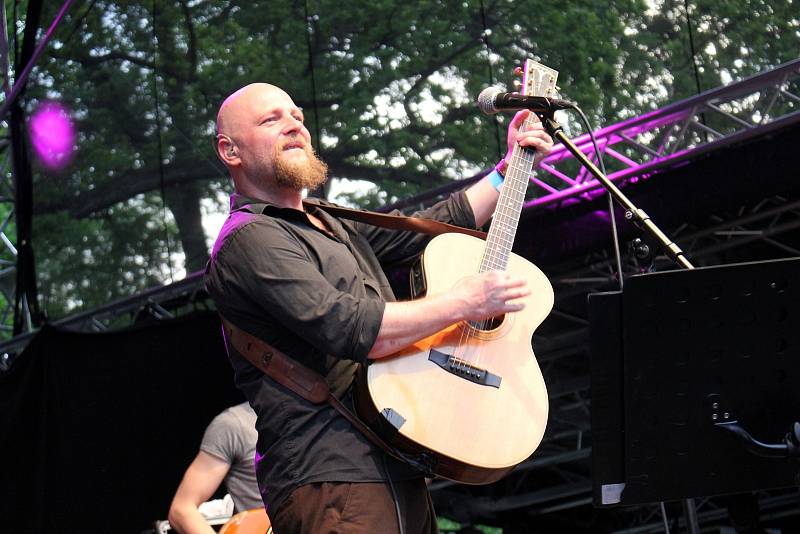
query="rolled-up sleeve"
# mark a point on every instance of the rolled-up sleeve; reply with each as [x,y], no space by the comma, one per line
[264,268]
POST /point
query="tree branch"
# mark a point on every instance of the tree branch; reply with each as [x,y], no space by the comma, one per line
[114,55]
[343,169]
[123,187]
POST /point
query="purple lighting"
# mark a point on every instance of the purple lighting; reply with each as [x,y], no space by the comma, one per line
[52,135]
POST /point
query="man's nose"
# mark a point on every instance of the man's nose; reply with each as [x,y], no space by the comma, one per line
[296,128]
[293,124]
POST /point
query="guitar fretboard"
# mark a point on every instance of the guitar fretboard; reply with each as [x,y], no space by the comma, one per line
[509,206]
[539,80]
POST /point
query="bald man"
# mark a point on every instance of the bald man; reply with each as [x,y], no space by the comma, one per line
[311,285]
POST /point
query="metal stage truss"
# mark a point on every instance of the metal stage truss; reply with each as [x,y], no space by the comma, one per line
[635,148]
[8,252]
[558,476]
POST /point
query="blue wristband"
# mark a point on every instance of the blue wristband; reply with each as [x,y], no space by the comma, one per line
[496,179]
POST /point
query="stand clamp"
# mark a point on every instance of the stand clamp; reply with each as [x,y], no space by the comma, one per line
[722,418]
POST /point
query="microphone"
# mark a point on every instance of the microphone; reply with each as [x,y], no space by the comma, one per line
[491,100]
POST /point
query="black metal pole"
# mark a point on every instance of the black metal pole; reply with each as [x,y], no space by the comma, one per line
[690,511]
[27,314]
[30,60]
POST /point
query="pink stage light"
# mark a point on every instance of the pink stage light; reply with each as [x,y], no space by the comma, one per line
[52,135]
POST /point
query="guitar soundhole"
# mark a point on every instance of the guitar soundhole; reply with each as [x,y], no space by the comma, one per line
[487,325]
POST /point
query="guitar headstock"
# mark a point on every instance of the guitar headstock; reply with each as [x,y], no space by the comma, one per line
[537,79]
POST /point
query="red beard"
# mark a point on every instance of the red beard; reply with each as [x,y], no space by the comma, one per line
[298,174]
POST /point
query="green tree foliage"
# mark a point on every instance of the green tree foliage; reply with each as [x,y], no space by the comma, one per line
[388,89]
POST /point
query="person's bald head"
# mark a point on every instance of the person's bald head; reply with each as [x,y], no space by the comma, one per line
[242,105]
[262,140]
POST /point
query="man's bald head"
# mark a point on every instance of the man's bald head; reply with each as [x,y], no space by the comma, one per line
[242,104]
[262,140]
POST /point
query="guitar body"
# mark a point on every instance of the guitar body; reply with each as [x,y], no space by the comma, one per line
[476,431]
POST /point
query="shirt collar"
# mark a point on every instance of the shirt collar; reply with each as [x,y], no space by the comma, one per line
[241,202]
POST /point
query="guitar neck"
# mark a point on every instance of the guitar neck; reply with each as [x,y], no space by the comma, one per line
[509,206]
[538,80]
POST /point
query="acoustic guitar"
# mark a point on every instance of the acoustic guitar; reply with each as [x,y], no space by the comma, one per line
[471,396]
[253,521]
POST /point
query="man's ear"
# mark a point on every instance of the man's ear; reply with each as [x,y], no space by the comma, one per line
[226,149]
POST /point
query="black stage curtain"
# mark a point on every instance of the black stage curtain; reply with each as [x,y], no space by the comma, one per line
[96,430]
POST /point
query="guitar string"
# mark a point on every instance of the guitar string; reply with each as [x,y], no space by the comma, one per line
[494,256]
[499,243]
[517,177]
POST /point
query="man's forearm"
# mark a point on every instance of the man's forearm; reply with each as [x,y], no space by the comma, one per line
[482,197]
[404,323]
[476,297]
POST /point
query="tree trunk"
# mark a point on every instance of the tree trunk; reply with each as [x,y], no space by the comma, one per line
[184,202]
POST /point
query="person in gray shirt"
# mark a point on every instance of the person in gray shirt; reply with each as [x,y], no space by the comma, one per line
[226,456]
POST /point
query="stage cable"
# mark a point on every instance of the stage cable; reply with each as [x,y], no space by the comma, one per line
[486,31]
[15,14]
[691,45]
[693,52]
[6,66]
[79,22]
[321,191]
[160,144]
[400,528]
[614,230]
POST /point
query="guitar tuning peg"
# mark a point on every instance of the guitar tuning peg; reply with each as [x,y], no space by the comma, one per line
[518,71]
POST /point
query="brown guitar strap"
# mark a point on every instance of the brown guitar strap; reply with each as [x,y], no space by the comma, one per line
[293,375]
[399,222]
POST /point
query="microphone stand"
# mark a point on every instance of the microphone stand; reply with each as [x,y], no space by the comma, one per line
[641,219]
[633,213]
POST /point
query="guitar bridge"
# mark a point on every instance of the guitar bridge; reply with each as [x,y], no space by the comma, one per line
[464,370]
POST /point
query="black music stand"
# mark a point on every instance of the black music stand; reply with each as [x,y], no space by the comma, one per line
[692,371]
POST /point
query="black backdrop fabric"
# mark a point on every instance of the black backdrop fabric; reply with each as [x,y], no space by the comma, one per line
[96,430]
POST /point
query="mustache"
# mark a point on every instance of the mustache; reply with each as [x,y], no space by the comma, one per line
[295,140]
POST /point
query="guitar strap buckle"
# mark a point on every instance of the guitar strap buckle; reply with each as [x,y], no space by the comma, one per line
[423,462]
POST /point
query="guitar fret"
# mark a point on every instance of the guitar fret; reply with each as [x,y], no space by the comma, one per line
[509,225]
[500,247]
[505,240]
[510,205]
[506,218]
[502,237]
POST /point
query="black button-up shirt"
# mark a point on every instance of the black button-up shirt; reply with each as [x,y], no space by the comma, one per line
[319,297]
